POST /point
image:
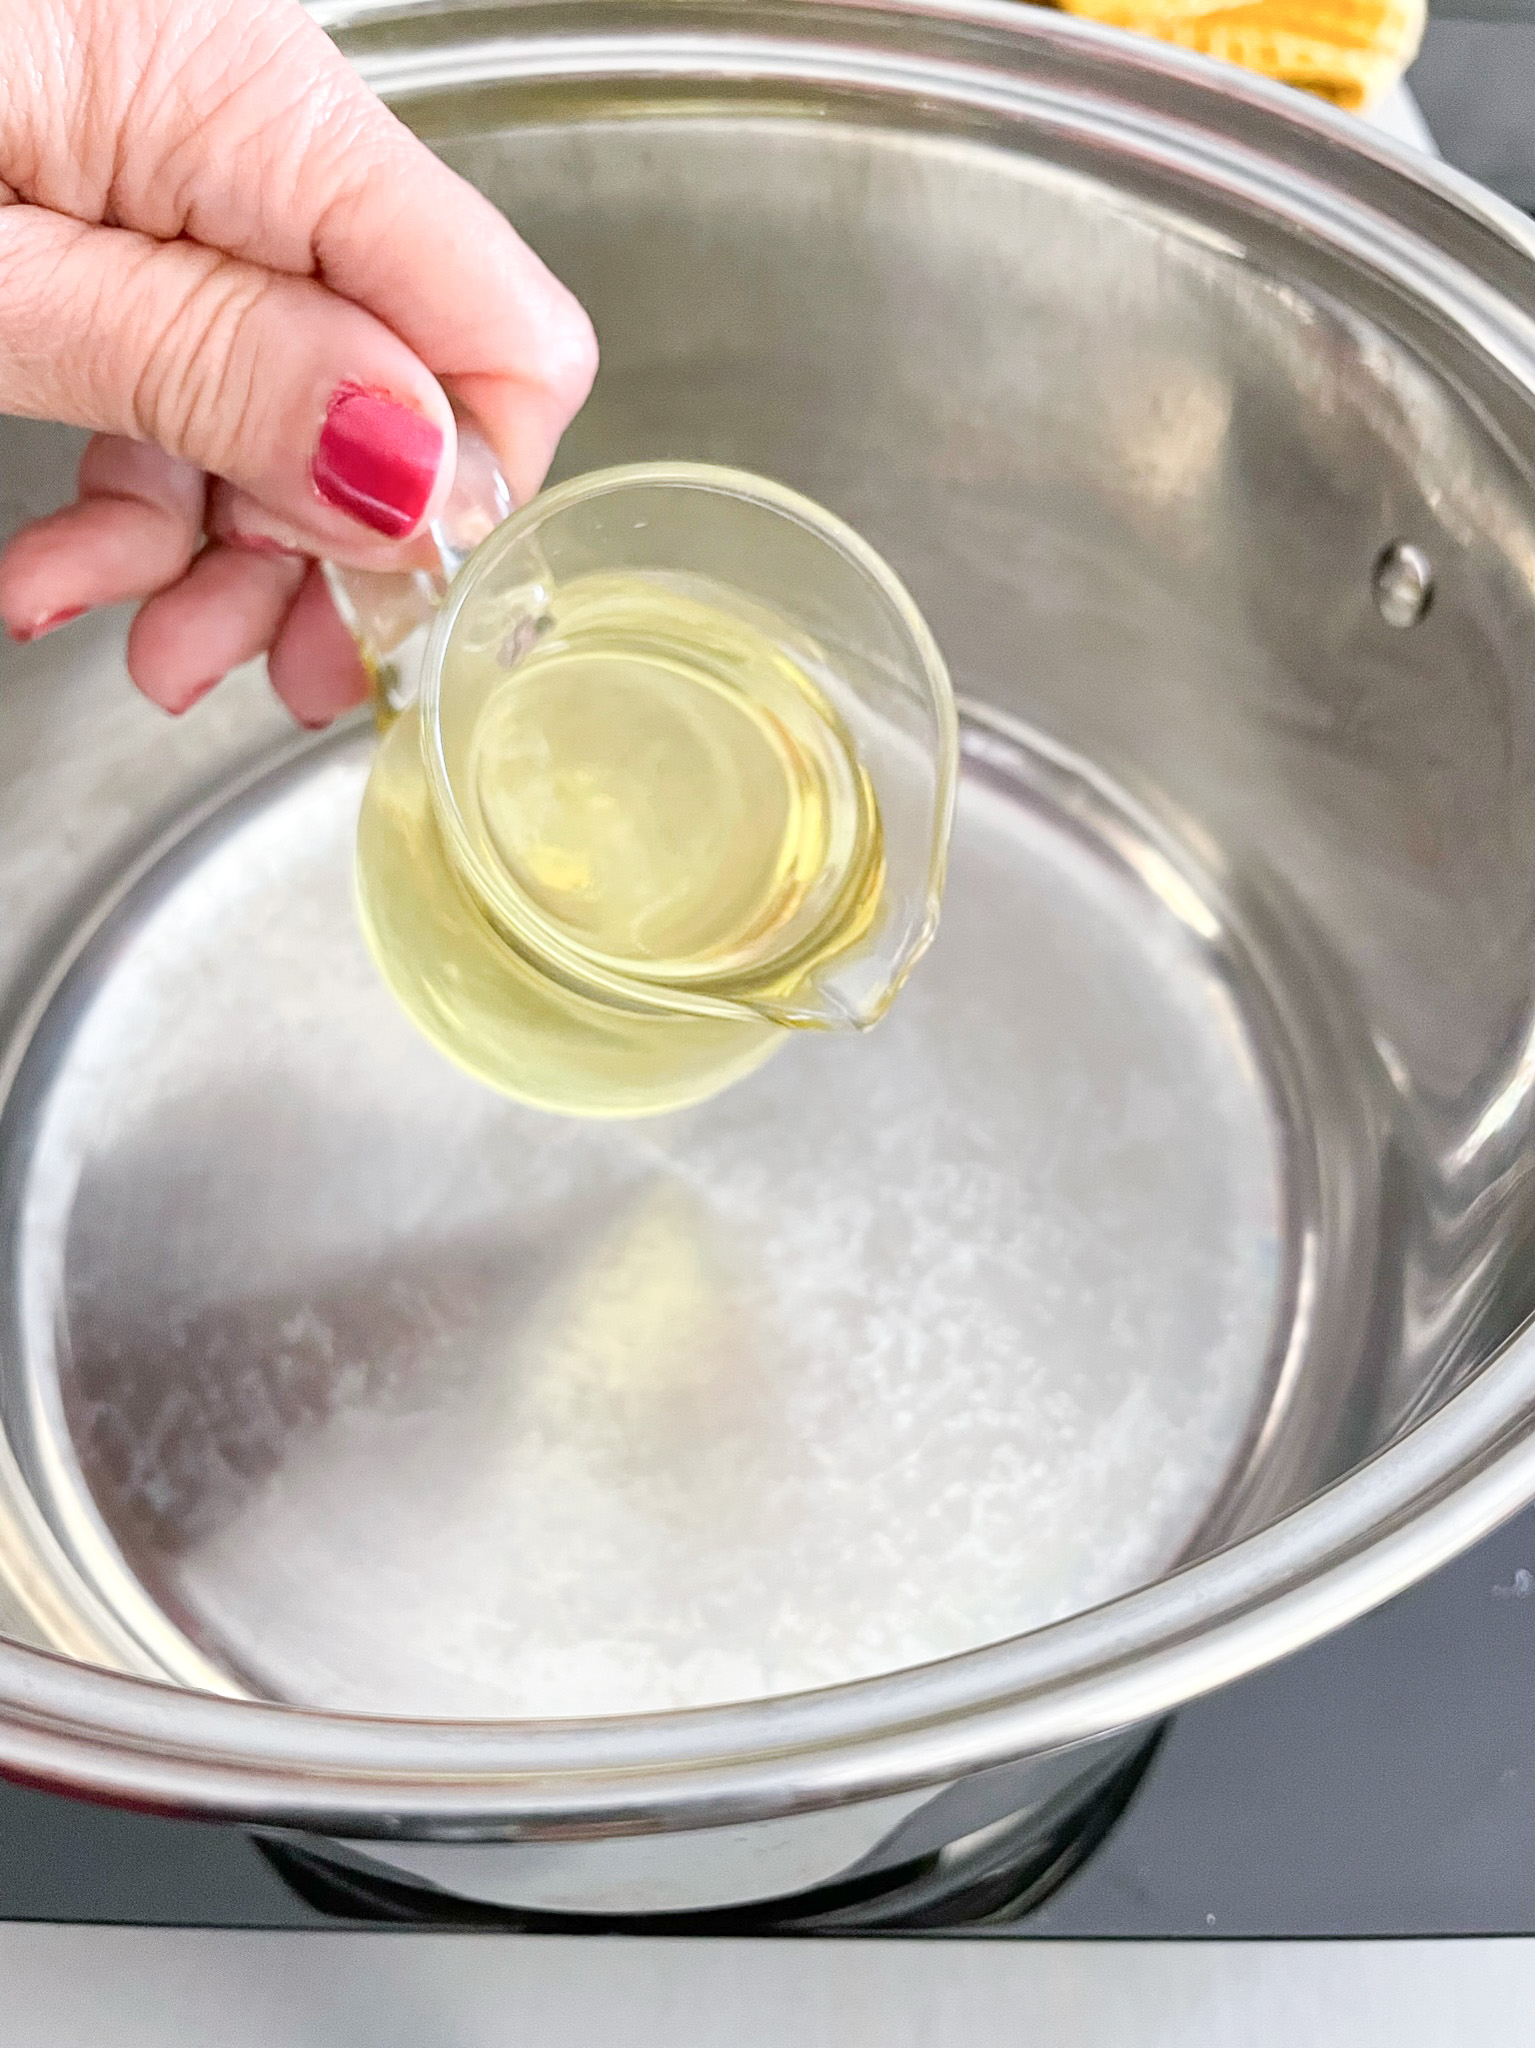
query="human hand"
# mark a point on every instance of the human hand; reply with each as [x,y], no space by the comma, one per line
[221,253]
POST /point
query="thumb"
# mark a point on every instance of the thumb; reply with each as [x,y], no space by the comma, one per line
[297,396]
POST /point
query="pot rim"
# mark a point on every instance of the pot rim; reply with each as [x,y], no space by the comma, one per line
[1405,1511]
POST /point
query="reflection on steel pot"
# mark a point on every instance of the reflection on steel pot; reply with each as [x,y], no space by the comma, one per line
[671,1516]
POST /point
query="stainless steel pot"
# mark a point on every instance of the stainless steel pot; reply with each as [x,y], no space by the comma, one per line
[1182,1221]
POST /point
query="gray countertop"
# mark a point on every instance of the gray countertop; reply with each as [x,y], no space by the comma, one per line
[1475,82]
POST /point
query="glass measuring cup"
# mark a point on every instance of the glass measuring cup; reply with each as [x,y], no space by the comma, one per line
[703,568]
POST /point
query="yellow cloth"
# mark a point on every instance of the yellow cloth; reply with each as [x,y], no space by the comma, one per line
[1350,51]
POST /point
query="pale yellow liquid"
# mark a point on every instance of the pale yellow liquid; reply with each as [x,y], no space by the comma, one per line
[661,783]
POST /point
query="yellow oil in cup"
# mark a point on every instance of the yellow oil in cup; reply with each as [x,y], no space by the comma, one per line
[670,775]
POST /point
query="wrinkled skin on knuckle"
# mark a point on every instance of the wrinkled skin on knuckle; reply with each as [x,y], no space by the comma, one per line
[69,76]
[197,346]
[111,111]
[41,60]
[246,87]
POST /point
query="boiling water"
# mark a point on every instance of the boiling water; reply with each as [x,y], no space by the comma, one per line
[657,789]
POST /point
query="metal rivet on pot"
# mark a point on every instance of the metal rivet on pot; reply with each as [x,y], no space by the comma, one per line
[1404,584]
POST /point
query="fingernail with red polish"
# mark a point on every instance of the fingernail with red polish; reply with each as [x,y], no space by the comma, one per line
[376,460]
[50,624]
[193,696]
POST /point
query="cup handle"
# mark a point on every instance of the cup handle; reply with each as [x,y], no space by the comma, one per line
[389,616]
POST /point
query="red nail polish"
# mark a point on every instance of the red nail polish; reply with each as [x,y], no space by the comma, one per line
[193,696]
[25,634]
[376,460]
